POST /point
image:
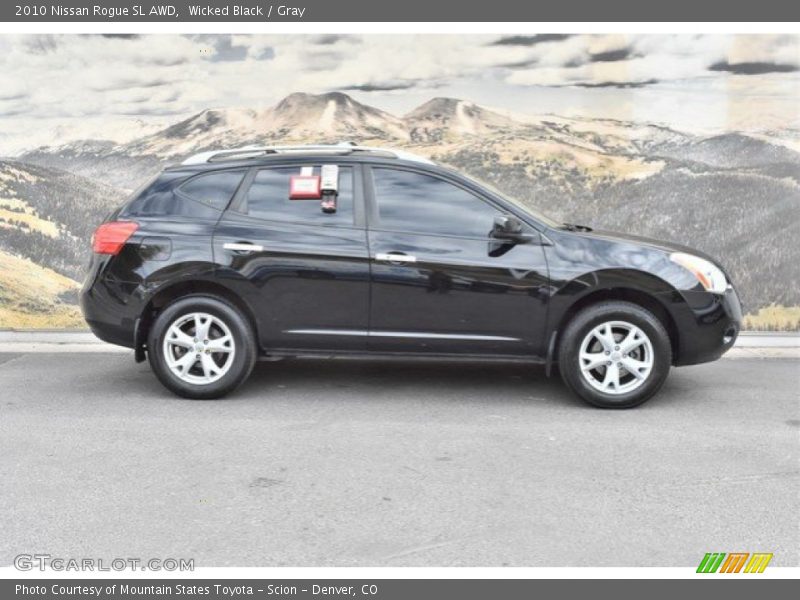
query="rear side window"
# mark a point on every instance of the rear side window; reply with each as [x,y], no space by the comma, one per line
[268,198]
[167,195]
[213,189]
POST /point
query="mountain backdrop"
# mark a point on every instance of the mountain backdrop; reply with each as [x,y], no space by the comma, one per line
[733,195]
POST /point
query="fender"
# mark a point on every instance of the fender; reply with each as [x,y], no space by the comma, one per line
[604,283]
[594,266]
[201,278]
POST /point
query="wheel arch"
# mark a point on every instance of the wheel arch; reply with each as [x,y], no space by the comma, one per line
[168,294]
[613,289]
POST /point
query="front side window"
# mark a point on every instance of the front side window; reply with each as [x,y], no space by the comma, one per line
[268,197]
[419,203]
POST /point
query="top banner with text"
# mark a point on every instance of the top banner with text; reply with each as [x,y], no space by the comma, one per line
[407,11]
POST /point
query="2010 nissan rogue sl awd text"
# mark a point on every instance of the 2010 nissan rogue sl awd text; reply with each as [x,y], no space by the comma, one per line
[348,250]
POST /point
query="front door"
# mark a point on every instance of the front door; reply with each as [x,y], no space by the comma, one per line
[305,270]
[440,283]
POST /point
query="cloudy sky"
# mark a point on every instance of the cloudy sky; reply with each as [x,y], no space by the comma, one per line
[56,87]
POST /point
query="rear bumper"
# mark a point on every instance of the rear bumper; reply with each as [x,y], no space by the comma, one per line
[110,308]
[707,325]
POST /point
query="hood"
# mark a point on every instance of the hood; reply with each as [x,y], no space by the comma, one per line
[667,247]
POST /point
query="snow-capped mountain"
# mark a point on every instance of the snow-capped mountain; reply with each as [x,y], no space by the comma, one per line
[335,116]
[447,118]
[298,117]
[331,116]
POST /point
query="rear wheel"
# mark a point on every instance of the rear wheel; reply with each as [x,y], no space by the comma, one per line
[615,354]
[201,347]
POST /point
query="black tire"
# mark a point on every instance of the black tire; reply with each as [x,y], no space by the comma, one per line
[242,361]
[580,327]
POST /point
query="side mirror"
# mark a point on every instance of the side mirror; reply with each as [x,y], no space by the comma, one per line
[507,227]
[507,224]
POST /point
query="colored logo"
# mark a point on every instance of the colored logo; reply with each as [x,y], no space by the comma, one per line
[734,562]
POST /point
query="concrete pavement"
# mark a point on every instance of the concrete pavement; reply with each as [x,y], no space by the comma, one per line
[315,463]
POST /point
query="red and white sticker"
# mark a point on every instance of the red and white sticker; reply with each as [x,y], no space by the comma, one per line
[304,187]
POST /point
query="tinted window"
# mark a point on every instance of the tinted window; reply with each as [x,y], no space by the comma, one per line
[420,203]
[268,198]
[213,189]
[160,200]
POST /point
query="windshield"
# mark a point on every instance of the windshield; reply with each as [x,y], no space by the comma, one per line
[515,201]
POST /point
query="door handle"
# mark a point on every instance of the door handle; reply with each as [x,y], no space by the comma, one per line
[243,248]
[395,257]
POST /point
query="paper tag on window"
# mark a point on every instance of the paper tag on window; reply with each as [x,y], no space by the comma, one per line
[304,187]
[306,171]
[330,178]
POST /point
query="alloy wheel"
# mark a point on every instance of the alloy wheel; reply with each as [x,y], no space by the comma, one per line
[616,357]
[199,348]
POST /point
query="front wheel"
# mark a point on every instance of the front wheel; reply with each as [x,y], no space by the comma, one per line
[615,354]
[201,347]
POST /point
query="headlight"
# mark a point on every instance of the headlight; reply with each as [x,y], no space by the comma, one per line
[708,274]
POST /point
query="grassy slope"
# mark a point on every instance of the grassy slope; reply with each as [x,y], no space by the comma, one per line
[774,318]
[30,296]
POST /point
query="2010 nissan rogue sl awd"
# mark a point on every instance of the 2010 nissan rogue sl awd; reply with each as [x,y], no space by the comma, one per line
[348,250]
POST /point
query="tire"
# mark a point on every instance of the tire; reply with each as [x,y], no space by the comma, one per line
[207,375]
[586,349]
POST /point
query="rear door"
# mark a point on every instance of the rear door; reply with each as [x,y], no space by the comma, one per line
[305,271]
[440,282]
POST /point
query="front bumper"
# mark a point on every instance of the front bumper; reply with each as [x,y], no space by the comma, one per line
[707,325]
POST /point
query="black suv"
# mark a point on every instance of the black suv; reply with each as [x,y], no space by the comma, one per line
[348,250]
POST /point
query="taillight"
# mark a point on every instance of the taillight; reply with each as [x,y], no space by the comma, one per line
[109,238]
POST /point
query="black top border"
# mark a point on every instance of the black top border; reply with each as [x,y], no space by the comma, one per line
[337,11]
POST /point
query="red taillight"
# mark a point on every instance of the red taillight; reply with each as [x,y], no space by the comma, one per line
[109,238]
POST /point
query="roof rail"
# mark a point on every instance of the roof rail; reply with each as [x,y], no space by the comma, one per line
[260,151]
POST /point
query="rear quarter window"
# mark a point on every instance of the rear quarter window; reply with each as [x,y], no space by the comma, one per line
[212,189]
[172,194]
